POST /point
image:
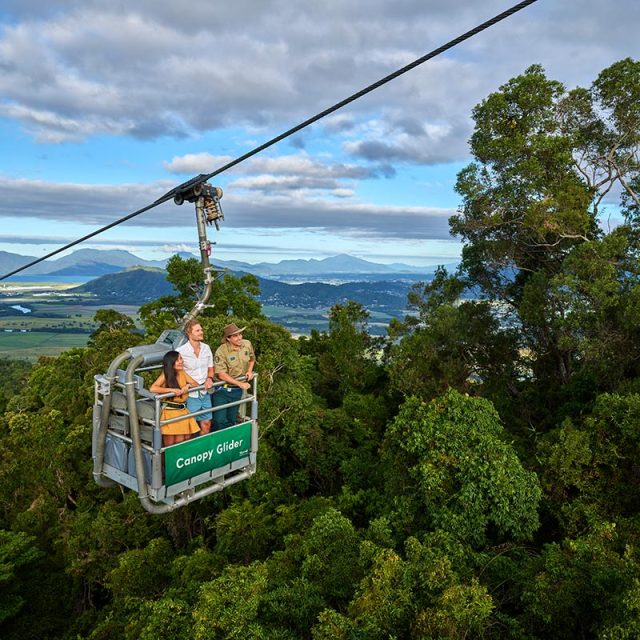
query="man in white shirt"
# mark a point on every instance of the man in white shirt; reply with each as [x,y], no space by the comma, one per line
[198,363]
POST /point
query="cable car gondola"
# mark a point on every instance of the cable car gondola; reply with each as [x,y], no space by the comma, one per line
[127,442]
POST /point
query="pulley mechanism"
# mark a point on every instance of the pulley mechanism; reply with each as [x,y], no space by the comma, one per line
[210,199]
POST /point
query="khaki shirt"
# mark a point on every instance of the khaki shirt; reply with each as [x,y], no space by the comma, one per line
[234,362]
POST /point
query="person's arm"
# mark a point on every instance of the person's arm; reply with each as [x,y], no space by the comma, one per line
[158,387]
[250,366]
[252,361]
[208,383]
[225,377]
[190,381]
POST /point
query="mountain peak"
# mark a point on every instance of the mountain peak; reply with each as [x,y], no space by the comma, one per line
[345,260]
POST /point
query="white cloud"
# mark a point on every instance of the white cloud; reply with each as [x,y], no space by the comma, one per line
[343,193]
[280,174]
[193,163]
[177,248]
[99,205]
[50,127]
[74,69]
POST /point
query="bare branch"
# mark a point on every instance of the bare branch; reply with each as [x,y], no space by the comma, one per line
[263,430]
[625,185]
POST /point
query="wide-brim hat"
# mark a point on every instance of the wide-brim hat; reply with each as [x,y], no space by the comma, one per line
[230,330]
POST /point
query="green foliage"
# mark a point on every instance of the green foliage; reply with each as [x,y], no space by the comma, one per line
[17,550]
[598,287]
[109,320]
[13,374]
[590,469]
[331,553]
[545,160]
[584,585]
[290,607]
[195,567]
[167,618]
[460,610]
[114,334]
[448,463]
[383,606]
[45,465]
[142,572]
[34,600]
[230,295]
[307,443]
[348,356]
[63,384]
[228,606]
[96,536]
[244,532]
[625,625]
[424,594]
[524,204]
[450,344]
[334,626]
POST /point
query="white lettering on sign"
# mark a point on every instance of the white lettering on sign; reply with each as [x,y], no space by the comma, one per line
[201,457]
[228,446]
[181,463]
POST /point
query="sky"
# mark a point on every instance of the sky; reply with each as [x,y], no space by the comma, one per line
[105,105]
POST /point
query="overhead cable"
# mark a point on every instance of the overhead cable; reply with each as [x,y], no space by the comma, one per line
[203,177]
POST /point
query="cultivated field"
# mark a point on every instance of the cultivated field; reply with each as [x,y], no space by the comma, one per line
[43,319]
[301,321]
[39,319]
[30,346]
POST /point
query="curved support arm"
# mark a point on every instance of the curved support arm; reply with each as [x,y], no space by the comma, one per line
[205,248]
[199,306]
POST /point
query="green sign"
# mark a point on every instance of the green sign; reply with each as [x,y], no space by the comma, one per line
[193,457]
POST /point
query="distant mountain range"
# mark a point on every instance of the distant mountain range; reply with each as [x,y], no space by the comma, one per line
[89,263]
[340,265]
[84,262]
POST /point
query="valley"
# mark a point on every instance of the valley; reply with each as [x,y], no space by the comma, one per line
[52,309]
[46,318]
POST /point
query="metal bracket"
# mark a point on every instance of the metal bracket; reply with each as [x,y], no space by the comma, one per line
[104,384]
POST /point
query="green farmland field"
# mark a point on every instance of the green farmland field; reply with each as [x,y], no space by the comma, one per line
[32,345]
[54,322]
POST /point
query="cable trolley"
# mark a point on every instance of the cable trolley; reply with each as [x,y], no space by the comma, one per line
[127,441]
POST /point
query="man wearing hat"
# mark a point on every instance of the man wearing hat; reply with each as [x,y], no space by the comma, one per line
[234,359]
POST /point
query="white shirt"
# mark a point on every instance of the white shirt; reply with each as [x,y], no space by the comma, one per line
[196,366]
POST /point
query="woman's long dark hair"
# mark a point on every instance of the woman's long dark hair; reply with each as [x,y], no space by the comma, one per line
[170,378]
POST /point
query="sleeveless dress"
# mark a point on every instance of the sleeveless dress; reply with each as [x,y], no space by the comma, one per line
[180,427]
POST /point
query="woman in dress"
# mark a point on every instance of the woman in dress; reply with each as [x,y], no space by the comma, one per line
[174,379]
